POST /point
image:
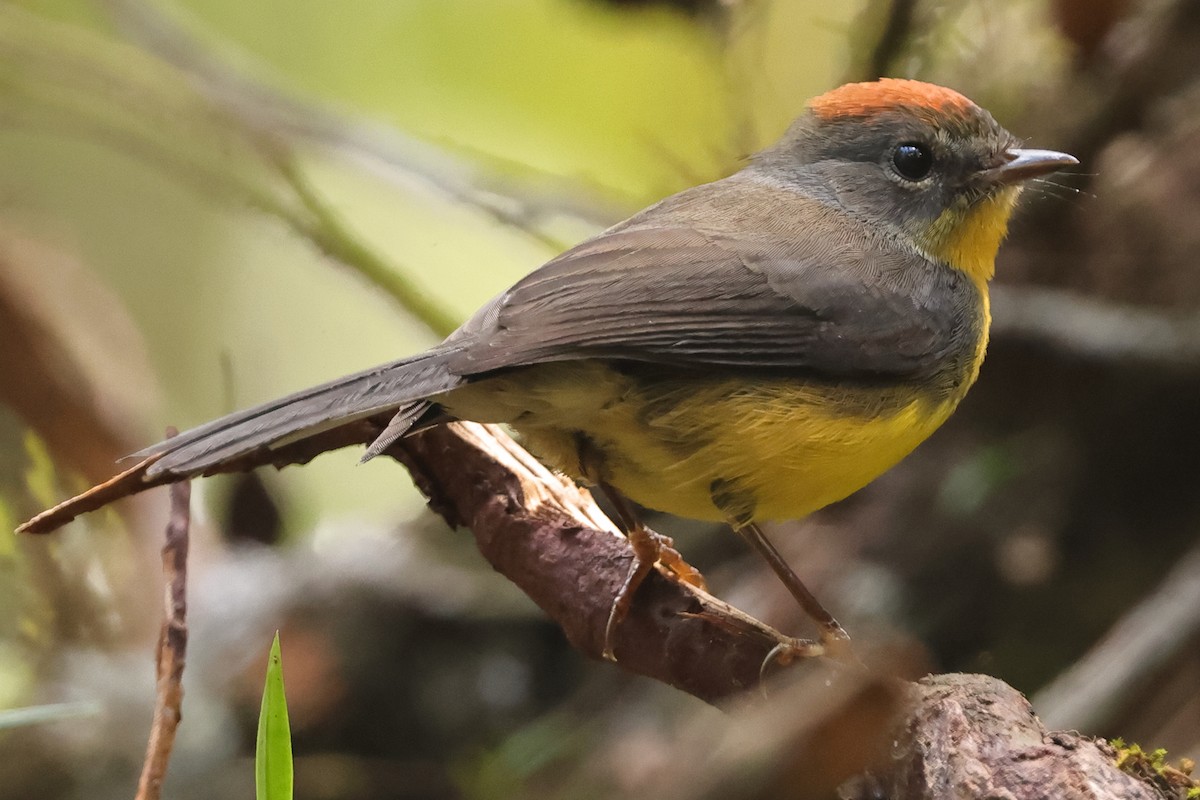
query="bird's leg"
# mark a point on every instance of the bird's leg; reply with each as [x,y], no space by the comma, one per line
[835,641]
[649,548]
[663,547]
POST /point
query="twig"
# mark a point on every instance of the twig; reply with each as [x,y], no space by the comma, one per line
[133,480]
[892,40]
[172,648]
[51,712]
[329,233]
[90,91]
[267,108]
[1083,327]
[1151,635]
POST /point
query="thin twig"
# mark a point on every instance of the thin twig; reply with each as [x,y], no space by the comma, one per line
[172,648]
[522,205]
[1091,692]
[892,40]
[92,94]
[1083,327]
[328,232]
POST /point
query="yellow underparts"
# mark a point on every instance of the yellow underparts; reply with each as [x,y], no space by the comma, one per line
[770,449]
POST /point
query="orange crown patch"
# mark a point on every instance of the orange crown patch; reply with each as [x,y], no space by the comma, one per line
[868,99]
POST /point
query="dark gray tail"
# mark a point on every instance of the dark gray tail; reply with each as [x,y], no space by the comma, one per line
[401,386]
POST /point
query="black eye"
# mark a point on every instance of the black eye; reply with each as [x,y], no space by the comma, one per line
[913,161]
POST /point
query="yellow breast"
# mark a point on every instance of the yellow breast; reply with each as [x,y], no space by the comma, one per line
[781,450]
[783,447]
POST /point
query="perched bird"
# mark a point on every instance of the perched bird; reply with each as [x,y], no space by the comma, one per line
[751,349]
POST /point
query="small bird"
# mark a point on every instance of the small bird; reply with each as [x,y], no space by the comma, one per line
[748,350]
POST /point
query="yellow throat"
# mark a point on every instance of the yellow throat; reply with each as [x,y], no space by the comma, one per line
[969,241]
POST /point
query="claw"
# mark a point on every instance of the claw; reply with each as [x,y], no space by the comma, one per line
[787,651]
[642,564]
[833,644]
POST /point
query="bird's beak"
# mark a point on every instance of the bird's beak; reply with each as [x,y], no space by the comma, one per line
[1022,164]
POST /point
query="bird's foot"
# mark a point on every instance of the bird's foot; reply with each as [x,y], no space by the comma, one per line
[834,644]
[649,549]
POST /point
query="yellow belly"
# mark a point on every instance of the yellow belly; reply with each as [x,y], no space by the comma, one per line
[784,448]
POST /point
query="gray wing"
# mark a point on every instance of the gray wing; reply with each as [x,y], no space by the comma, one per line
[661,294]
[682,298]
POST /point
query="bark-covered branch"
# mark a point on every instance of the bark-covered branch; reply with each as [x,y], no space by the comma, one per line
[968,736]
[172,648]
[548,536]
[973,736]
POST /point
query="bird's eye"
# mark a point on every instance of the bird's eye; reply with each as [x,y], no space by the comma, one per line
[912,161]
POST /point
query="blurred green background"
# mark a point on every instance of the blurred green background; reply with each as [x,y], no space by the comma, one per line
[206,203]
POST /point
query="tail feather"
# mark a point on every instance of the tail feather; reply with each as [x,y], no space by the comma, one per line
[396,428]
[400,385]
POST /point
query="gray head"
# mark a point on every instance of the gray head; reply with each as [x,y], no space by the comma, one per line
[921,160]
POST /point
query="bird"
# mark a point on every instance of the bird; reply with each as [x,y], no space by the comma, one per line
[748,350]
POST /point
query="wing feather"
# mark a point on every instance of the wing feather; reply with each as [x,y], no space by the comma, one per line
[689,299]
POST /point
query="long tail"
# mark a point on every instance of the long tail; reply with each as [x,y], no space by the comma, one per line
[401,386]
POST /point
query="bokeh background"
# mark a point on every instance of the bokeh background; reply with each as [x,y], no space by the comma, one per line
[208,203]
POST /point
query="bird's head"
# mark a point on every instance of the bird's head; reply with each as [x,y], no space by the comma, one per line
[920,160]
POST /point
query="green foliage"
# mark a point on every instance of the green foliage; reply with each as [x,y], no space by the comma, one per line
[26,600]
[273,753]
[41,478]
[1153,768]
[538,748]
[971,482]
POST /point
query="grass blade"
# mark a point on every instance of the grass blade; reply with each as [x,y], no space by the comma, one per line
[273,753]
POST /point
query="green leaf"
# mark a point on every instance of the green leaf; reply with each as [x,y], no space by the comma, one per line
[273,754]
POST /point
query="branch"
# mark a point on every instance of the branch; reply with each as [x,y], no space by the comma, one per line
[547,536]
[172,648]
[1087,328]
[134,480]
[1155,632]
[976,736]
[543,533]
[892,39]
[524,205]
[324,228]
